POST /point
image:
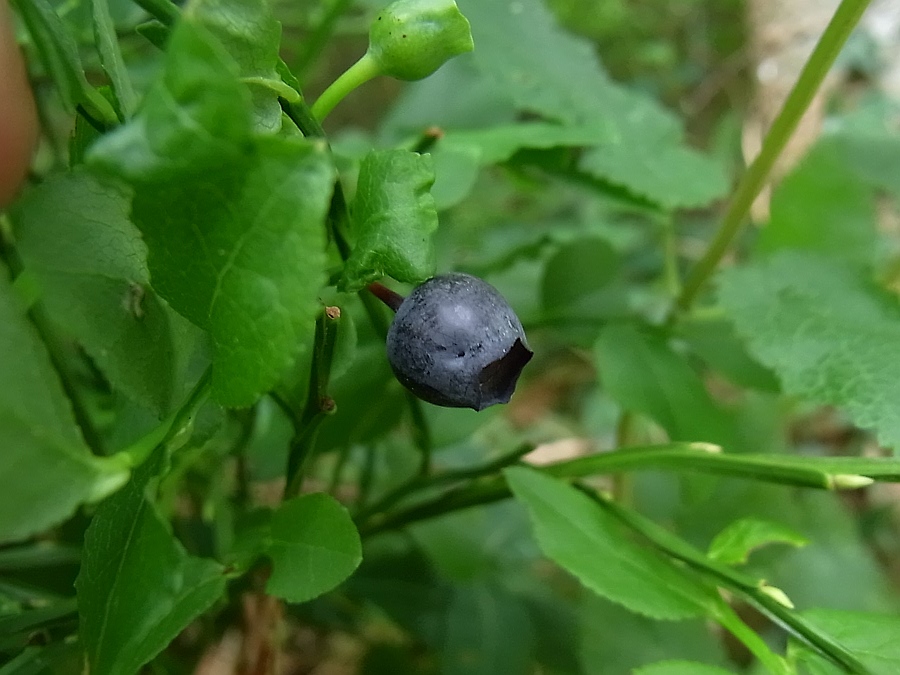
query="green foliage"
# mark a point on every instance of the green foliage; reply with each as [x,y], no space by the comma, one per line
[393,217]
[645,376]
[869,635]
[205,449]
[256,256]
[573,532]
[828,331]
[138,588]
[111,58]
[734,544]
[238,250]
[823,207]
[90,265]
[251,35]
[549,72]
[480,619]
[46,469]
[59,54]
[638,640]
[313,545]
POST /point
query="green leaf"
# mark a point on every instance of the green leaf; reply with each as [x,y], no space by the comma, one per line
[674,176]
[644,375]
[59,53]
[681,668]
[488,631]
[823,207]
[868,145]
[497,144]
[393,216]
[111,58]
[241,253]
[314,546]
[734,544]
[194,118]
[717,344]
[585,540]
[871,637]
[138,588]
[455,174]
[637,640]
[832,336]
[77,242]
[578,278]
[557,75]
[46,470]
[548,71]
[234,226]
[460,154]
[252,36]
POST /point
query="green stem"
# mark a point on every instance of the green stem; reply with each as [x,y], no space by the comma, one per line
[337,473]
[804,472]
[318,404]
[421,433]
[301,115]
[338,219]
[163,11]
[671,275]
[814,72]
[359,73]
[422,482]
[733,623]
[753,590]
[366,478]
[174,431]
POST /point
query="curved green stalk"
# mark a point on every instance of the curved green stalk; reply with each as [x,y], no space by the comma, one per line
[733,623]
[172,431]
[812,472]
[842,23]
[359,73]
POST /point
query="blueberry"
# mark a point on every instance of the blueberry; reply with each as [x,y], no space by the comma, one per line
[456,342]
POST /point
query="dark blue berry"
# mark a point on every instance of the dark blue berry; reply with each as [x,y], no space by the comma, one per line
[456,342]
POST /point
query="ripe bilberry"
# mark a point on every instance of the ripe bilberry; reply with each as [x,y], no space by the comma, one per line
[456,342]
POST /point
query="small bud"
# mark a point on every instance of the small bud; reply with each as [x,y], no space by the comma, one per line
[711,448]
[410,39]
[777,595]
[849,481]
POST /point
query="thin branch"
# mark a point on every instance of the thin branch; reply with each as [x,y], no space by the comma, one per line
[842,23]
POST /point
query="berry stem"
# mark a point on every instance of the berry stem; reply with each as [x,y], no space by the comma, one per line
[386,295]
[359,73]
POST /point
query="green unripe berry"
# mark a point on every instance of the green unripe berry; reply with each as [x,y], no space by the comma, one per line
[410,39]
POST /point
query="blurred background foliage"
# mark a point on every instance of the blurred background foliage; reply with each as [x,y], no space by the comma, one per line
[583,192]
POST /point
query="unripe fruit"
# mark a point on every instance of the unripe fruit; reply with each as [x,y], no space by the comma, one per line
[456,342]
[410,39]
